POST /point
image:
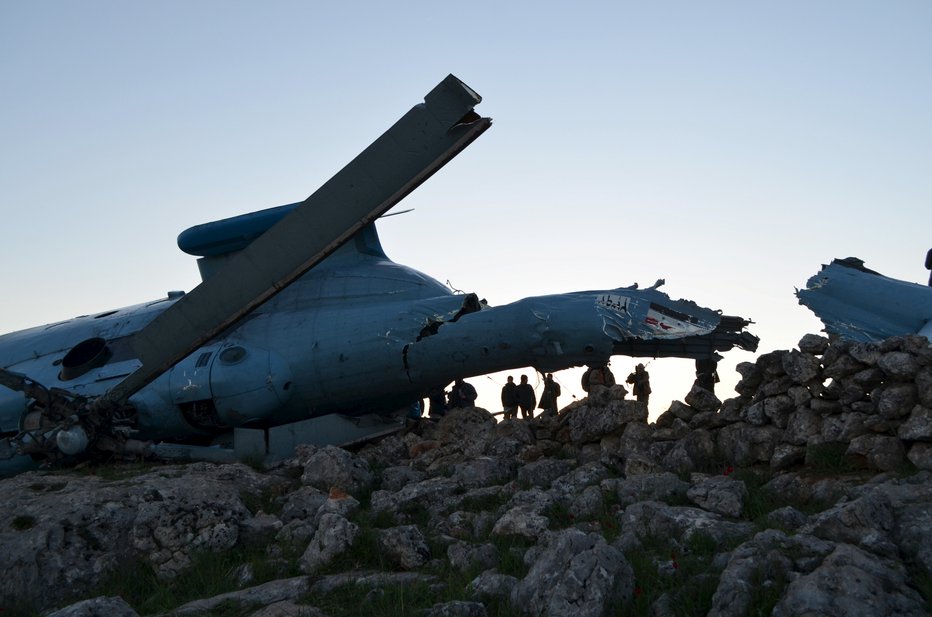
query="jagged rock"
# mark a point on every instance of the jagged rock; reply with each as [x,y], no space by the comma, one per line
[896,400]
[264,594]
[676,410]
[404,546]
[881,451]
[637,464]
[801,425]
[652,519]
[457,608]
[666,487]
[801,367]
[302,504]
[484,471]
[920,455]
[720,494]
[788,518]
[924,386]
[694,451]
[97,607]
[435,492]
[778,409]
[397,477]
[842,367]
[463,555]
[899,365]
[574,575]
[591,423]
[524,521]
[543,472]
[866,521]
[331,466]
[918,427]
[866,352]
[675,429]
[490,585]
[813,344]
[851,583]
[745,445]
[334,537]
[787,456]
[767,560]
[701,399]
[287,608]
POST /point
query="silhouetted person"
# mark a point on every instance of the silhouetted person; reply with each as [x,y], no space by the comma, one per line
[598,376]
[438,402]
[640,379]
[526,398]
[548,398]
[707,372]
[462,395]
[929,265]
[510,399]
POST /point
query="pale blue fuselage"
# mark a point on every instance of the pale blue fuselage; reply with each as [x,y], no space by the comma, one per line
[352,335]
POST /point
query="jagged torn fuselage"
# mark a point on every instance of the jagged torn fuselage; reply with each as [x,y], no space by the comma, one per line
[860,304]
[357,333]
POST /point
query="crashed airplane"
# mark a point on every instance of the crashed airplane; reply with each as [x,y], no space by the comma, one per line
[304,331]
[860,304]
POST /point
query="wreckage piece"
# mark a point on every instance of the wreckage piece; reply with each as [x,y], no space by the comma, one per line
[413,149]
[340,353]
[860,304]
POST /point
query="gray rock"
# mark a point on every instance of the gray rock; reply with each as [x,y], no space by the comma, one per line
[335,535]
[331,466]
[852,583]
[786,456]
[766,561]
[867,521]
[404,546]
[97,607]
[652,519]
[457,608]
[918,427]
[464,556]
[302,503]
[744,445]
[813,344]
[720,494]
[881,451]
[899,365]
[264,594]
[524,521]
[574,575]
[490,585]
[920,455]
[702,400]
[543,472]
[896,400]
[397,477]
[663,486]
[484,471]
[801,367]
[694,451]
[802,425]
[592,423]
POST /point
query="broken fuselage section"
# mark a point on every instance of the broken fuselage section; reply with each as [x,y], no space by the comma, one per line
[860,304]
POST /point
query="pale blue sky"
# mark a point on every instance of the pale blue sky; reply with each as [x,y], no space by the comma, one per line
[728,147]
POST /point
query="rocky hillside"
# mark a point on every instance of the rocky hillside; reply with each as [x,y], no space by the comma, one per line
[810,493]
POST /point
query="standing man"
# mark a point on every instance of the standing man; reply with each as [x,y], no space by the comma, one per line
[640,379]
[526,398]
[929,265]
[510,399]
[548,398]
[462,394]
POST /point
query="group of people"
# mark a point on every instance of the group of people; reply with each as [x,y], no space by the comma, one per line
[522,396]
[601,375]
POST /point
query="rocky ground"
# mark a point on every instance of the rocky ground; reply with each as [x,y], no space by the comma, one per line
[807,494]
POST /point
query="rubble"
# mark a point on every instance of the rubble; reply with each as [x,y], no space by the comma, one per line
[809,492]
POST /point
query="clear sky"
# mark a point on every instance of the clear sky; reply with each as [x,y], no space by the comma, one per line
[730,148]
